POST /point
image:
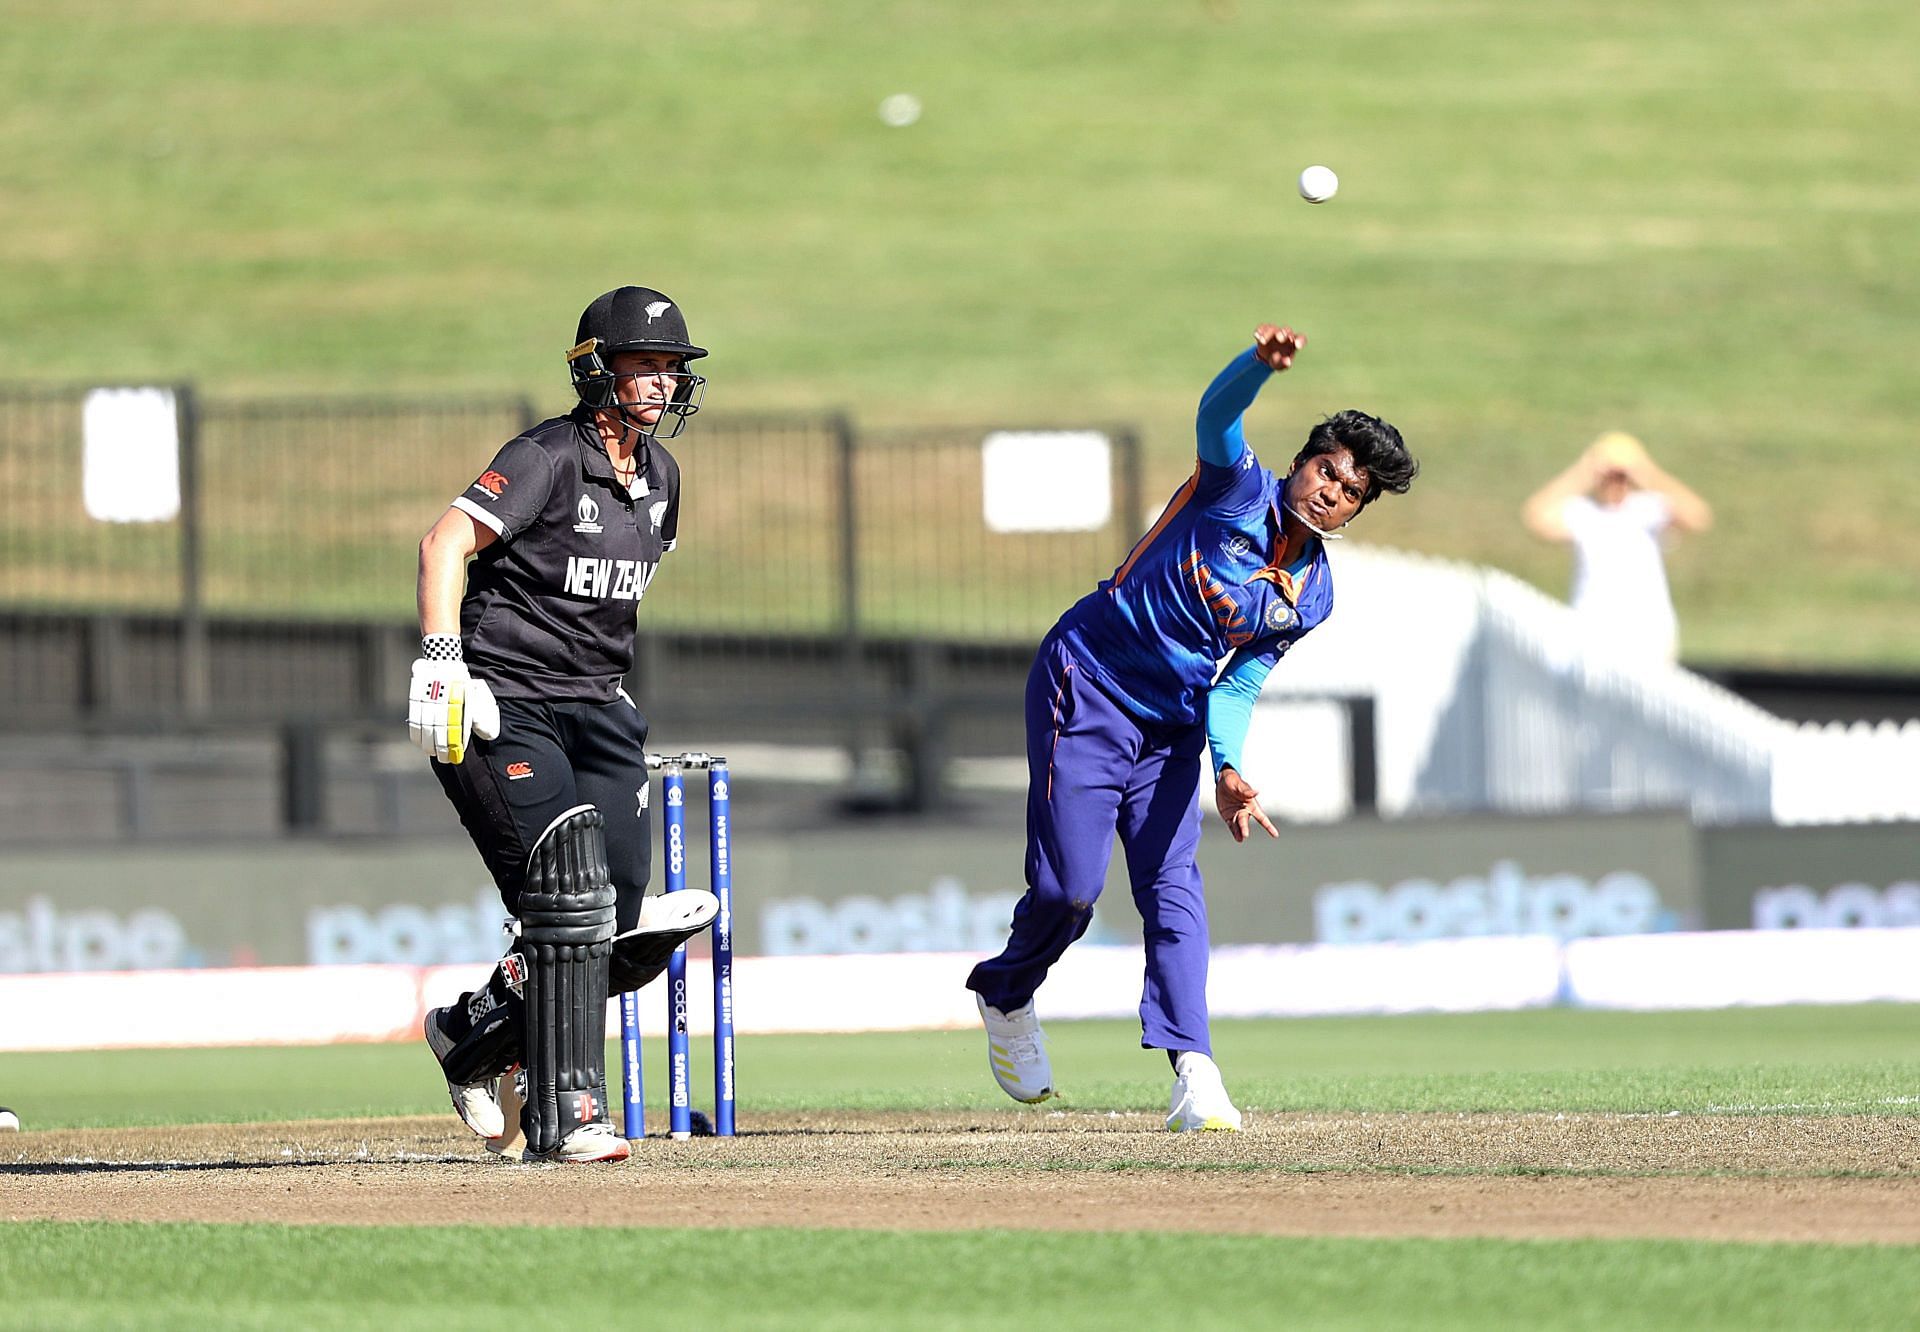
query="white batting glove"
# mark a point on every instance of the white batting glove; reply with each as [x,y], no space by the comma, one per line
[445,705]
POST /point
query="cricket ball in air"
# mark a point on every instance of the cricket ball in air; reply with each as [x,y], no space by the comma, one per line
[900,110]
[1318,184]
[9,1122]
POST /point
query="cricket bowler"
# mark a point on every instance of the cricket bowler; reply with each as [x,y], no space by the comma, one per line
[1162,658]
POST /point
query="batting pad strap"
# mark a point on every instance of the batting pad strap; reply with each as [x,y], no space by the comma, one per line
[496,1016]
[566,934]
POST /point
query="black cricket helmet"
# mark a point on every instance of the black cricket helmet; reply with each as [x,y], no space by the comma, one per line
[633,319]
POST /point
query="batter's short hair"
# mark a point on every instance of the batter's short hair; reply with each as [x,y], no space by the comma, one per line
[1375,445]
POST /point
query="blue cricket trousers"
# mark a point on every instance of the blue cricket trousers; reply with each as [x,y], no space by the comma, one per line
[1093,769]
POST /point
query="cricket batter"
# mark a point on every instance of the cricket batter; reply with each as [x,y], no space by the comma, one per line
[1128,686]
[517,698]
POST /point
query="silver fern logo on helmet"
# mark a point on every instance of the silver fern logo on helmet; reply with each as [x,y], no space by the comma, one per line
[641,320]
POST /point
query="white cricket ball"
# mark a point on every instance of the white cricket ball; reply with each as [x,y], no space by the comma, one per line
[9,1122]
[900,110]
[1318,184]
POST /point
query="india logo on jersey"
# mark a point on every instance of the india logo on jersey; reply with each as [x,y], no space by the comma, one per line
[1219,601]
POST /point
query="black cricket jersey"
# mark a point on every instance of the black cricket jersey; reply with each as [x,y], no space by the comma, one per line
[549,609]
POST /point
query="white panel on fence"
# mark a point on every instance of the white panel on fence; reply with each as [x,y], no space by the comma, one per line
[1299,757]
[130,455]
[1046,480]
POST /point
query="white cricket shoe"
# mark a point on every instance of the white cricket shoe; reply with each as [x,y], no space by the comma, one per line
[477,1103]
[596,1141]
[1200,1097]
[1017,1052]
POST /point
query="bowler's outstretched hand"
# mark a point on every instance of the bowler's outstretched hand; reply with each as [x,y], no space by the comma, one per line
[1239,805]
[1277,346]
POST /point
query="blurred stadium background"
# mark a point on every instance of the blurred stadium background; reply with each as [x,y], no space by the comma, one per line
[330,256]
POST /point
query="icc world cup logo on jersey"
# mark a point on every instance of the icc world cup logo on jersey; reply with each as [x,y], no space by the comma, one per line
[588,513]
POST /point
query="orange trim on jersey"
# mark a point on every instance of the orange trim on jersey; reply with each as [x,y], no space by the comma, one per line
[1276,572]
[1174,505]
[1058,724]
[1290,587]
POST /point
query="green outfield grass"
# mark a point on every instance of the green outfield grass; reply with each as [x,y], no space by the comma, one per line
[1834,1060]
[1824,1060]
[1699,223]
[123,1276]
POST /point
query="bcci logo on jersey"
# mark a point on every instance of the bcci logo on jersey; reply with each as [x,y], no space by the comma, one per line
[1280,616]
[589,515]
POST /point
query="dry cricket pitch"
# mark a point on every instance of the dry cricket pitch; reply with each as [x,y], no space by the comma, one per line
[1852,1179]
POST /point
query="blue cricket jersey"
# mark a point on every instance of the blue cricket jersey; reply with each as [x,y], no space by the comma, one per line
[1201,587]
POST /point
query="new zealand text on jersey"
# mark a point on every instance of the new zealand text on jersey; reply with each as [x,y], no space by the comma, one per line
[623,580]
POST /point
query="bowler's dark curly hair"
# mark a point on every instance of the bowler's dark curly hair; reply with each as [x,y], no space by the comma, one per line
[1375,445]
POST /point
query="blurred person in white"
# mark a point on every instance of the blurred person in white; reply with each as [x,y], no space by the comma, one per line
[1615,505]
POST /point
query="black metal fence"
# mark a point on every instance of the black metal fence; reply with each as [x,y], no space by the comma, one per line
[297,507]
[821,569]
[313,508]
